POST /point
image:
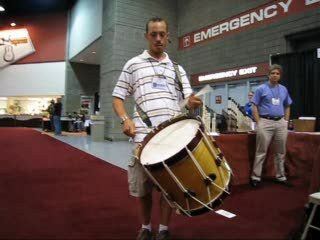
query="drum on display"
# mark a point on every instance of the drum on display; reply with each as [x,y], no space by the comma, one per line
[186,165]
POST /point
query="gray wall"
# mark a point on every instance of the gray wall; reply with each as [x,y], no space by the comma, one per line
[85,25]
[123,38]
[82,80]
[243,48]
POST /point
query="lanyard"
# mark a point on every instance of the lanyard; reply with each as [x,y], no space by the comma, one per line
[155,71]
[273,95]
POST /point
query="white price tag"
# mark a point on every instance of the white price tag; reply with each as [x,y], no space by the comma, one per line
[225,213]
[318,52]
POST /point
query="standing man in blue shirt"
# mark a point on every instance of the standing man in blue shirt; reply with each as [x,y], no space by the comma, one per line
[248,106]
[271,111]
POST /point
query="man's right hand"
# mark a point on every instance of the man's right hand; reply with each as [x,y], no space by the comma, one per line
[194,101]
[129,128]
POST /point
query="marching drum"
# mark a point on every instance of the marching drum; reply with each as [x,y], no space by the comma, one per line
[186,165]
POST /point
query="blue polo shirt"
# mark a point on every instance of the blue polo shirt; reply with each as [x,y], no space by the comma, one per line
[248,109]
[263,99]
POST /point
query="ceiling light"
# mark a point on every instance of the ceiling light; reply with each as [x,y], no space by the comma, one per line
[2,9]
[13,24]
[93,52]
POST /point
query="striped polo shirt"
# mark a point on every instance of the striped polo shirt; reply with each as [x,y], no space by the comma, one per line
[152,84]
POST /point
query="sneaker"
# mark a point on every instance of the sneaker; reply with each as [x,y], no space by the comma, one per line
[163,235]
[254,183]
[144,234]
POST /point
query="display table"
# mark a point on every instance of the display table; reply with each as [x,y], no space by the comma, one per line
[22,120]
[66,124]
[302,160]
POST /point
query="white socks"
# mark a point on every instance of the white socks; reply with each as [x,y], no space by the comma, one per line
[162,227]
[147,226]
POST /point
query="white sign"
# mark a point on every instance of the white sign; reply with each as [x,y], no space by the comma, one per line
[309,2]
[244,20]
[225,213]
[228,74]
[262,14]
[186,41]
[14,45]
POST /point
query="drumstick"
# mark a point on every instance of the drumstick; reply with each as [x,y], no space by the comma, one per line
[143,131]
[206,89]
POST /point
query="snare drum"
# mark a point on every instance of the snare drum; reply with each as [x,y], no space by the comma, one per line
[186,165]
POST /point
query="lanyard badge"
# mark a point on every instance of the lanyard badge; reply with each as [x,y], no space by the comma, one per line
[276,101]
[159,82]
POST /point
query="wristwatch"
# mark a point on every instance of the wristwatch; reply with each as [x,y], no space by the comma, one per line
[123,118]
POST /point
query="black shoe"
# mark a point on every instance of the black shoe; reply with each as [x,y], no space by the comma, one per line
[254,183]
[163,235]
[285,183]
[145,234]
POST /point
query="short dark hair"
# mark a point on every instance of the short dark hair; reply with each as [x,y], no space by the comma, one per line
[156,19]
[276,66]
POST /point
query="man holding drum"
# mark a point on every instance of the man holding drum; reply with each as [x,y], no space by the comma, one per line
[157,86]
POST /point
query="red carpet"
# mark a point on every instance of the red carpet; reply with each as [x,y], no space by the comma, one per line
[50,190]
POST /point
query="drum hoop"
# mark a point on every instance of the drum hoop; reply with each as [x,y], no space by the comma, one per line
[164,125]
[215,203]
[178,156]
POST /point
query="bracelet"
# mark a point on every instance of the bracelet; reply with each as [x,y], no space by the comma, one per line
[123,118]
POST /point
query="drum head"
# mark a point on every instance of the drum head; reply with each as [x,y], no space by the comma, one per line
[169,141]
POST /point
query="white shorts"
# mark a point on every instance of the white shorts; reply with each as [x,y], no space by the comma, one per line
[140,184]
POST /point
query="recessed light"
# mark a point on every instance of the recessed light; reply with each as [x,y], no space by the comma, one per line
[93,52]
[13,24]
[2,9]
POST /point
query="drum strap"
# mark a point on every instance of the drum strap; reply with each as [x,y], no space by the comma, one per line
[178,79]
[143,115]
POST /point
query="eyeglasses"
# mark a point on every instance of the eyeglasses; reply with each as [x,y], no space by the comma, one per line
[161,34]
